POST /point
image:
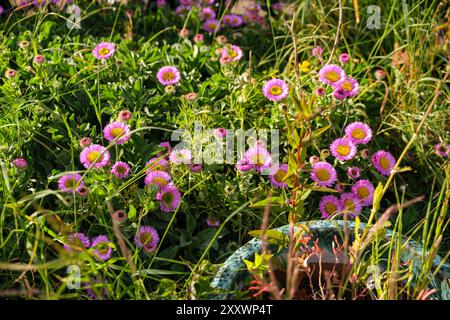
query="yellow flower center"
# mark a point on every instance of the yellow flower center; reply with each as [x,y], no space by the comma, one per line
[279,176]
[323,174]
[168,75]
[384,163]
[93,155]
[332,76]
[343,150]
[160,181]
[358,133]
[330,208]
[347,86]
[363,192]
[104,51]
[102,248]
[276,90]
[213,26]
[117,132]
[146,238]
[258,160]
[233,54]
[349,205]
[167,198]
[121,170]
[71,183]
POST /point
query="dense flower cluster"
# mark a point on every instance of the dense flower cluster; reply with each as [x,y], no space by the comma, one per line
[345,149]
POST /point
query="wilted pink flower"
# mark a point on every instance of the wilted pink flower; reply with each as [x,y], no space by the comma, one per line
[199,38]
[184,33]
[317,51]
[85,142]
[38,59]
[125,115]
[380,74]
[344,58]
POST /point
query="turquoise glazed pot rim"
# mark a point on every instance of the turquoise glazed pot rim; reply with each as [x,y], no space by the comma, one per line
[231,271]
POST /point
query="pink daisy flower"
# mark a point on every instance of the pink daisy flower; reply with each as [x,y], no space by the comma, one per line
[343,149]
[211,25]
[104,50]
[254,8]
[76,241]
[39,59]
[344,58]
[180,156]
[354,172]
[243,165]
[232,20]
[236,21]
[169,198]
[364,190]
[147,238]
[339,93]
[442,150]
[220,132]
[339,187]
[351,204]
[329,205]
[259,158]
[349,85]
[94,153]
[207,14]
[383,161]
[168,75]
[323,174]
[277,175]
[358,133]
[195,167]
[331,74]
[182,10]
[320,91]
[120,169]
[199,38]
[118,132]
[275,89]
[20,163]
[166,145]
[317,51]
[235,53]
[213,222]
[102,247]
[161,3]
[278,6]
[85,142]
[70,183]
[125,115]
[157,178]
[157,163]
[96,290]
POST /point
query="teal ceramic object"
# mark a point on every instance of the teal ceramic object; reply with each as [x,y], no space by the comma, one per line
[233,272]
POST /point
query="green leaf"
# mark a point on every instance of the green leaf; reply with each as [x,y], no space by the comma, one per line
[131,212]
[274,202]
[273,236]
[155,272]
